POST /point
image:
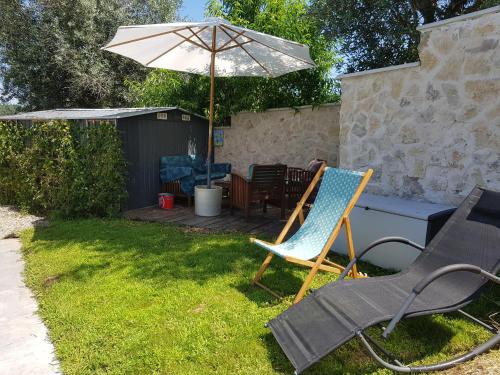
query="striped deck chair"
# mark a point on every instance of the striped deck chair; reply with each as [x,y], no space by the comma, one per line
[338,193]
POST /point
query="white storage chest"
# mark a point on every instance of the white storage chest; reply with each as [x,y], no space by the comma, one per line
[376,216]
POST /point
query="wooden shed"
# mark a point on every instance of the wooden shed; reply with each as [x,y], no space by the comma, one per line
[147,134]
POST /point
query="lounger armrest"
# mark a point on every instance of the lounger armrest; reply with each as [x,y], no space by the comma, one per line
[428,280]
[375,244]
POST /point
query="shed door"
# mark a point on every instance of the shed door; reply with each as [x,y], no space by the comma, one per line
[158,138]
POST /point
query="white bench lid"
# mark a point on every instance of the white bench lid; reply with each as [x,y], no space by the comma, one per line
[399,206]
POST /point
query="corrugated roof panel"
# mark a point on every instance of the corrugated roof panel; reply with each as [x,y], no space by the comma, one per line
[88,114]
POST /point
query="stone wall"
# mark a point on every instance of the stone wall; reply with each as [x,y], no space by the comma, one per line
[431,130]
[288,136]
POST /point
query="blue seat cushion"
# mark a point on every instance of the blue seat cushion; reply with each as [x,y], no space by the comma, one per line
[199,164]
[213,176]
[176,161]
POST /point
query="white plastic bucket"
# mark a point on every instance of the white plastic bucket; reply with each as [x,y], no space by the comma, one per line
[207,202]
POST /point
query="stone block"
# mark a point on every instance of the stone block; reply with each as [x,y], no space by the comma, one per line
[373,124]
[469,112]
[483,30]
[444,43]
[359,130]
[484,46]
[483,90]
[408,135]
[364,92]
[396,87]
[438,183]
[477,65]
[451,94]
[418,168]
[428,60]
[412,188]
[485,138]
[431,93]
[493,115]
[426,115]
[404,102]
[413,90]
[450,69]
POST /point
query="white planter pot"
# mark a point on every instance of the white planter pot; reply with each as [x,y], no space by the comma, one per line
[207,202]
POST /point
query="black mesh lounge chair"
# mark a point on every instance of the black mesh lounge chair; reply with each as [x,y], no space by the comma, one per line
[450,273]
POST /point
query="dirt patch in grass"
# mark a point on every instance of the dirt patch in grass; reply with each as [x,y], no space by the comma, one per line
[488,363]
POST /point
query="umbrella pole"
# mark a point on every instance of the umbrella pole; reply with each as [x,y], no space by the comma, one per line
[211,117]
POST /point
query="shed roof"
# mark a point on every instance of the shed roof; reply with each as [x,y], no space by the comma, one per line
[89,113]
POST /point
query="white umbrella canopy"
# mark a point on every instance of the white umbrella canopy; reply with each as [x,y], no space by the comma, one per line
[188,47]
[214,48]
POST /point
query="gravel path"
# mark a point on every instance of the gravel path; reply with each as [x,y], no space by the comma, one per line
[12,221]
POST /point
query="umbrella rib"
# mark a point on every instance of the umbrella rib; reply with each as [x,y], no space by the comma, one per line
[145,37]
[198,37]
[235,46]
[284,53]
[231,39]
[258,62]
[277,37]
[248,53]
[270,47]
[168,50]
[188,39]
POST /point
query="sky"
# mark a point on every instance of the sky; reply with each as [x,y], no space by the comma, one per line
[193,9]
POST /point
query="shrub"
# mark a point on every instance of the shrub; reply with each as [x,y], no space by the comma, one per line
[62,167]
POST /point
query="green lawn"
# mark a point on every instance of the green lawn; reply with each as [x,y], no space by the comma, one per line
[123,297]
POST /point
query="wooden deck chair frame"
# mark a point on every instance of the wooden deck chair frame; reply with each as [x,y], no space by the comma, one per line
[320,263]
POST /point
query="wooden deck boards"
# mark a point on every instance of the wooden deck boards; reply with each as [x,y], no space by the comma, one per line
[268,224]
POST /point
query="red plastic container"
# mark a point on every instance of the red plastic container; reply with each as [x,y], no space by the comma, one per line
[166,201]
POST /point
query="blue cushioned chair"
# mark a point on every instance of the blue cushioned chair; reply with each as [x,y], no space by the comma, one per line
[337,195]
[190,171]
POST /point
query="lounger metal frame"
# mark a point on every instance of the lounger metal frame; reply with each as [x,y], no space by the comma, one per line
[320,262]
[368,342]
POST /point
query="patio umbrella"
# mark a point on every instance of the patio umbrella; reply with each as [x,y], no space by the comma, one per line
[214,48]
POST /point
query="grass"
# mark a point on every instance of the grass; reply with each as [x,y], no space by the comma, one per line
[122,297]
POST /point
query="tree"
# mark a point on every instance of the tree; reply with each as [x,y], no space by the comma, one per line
[50,50]
[7,109]
[377,33]
[284,18]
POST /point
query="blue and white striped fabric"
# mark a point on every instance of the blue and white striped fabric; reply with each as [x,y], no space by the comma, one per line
[336,191]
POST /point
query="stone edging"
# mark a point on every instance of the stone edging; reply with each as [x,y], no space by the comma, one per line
[463,17]
[291,108]
[379,70]
[424,28]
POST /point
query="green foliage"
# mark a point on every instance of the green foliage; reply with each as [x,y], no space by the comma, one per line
[8,109]
[169,88]
[50,52]
[12,139]
[284,18]
[122,297]
[62,167]
[374,34]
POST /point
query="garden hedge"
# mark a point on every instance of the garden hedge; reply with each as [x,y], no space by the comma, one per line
[62,167]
